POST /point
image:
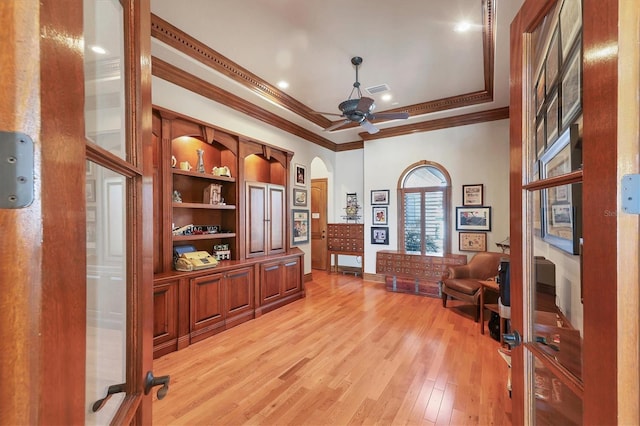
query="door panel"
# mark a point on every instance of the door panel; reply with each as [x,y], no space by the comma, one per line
[551,375]
[277,219]
[319,224]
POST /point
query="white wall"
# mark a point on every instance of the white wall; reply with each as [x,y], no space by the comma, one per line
[473,154]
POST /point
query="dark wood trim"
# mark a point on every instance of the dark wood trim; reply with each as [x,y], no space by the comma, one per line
[600,194]
[175,75]
[183,42]
[440,123]
[349,146]
[528,18]
[599,180]
[190,46]
[308,277]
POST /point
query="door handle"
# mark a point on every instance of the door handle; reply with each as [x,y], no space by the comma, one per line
[512,339]
[151,382]
[113,389]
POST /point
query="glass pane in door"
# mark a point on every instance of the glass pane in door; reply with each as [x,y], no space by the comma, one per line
[106,291]
[104,71]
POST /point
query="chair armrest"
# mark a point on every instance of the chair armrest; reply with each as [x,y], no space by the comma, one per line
[458,271]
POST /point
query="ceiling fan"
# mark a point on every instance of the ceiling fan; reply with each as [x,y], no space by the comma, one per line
[360,110]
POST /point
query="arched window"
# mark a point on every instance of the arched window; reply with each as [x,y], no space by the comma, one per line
[423,196]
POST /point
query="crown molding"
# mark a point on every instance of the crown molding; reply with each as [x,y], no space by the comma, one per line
[188,45]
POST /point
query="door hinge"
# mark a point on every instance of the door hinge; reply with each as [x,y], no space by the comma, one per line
[16,170]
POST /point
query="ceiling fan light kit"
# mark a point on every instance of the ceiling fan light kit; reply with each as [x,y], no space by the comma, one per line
[360,110]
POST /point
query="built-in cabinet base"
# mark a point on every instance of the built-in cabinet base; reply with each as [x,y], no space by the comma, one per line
[191,306]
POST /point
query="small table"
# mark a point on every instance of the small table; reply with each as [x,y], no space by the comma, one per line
[491,286]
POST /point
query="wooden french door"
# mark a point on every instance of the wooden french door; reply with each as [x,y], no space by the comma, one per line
[319,223]
[551,385]
[76,257]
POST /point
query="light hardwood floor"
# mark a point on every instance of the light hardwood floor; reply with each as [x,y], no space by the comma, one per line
[349,353]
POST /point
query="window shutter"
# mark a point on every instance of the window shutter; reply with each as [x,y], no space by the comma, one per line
[434,222]
[412,222]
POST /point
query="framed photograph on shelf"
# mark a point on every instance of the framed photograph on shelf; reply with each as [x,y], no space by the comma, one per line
[473,195]
[301,175]
[300,225]
[299,197]
[561,206]
[380,235]
[380,197]
[473,218]
[472,241]
[379,216]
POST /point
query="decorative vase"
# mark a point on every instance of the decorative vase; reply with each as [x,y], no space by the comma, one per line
[200,167]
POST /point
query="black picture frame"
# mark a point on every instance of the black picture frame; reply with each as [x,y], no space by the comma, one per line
[473,195]
[473,218]
[380,235]
[561,205]
[380,197]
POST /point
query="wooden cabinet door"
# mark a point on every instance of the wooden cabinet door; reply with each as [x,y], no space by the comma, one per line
[266,219]
[291,272]
[238,288]
[270,282]
[277,219]
[165,314]
[256,216]
[207,311]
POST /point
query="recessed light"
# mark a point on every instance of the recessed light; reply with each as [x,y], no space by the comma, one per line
[98,49]
[386,97]
[462,27]
[283,84]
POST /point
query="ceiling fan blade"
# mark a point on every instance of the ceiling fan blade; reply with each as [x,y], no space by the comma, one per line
[389,116]
[336,125]
[369,127]
[365,105]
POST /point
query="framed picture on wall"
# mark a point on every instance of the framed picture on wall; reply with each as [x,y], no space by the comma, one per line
[379,216]
[473,218]
[301,175]
[300,225]
[472,241]
[473,195]
[380,235]
[380,197]
[299,197]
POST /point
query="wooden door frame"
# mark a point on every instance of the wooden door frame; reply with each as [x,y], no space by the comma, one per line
[43,307]
[600,189]
[43,300]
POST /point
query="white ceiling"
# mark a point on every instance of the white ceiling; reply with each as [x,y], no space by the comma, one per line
[410,45]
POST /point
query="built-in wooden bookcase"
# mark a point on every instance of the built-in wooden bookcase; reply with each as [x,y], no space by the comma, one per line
[263,273]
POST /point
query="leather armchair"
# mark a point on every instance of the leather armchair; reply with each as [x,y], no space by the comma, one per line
[461,281]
